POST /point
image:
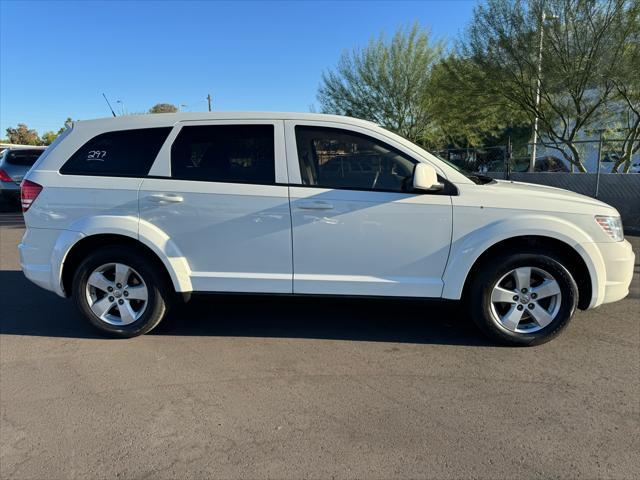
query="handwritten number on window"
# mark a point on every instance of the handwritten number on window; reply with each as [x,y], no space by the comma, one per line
[96,155]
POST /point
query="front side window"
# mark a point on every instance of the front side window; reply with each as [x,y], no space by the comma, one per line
[224,153]
[336,158]
[123,153]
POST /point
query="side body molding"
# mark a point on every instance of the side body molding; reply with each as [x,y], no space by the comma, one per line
[149,235]
[468,244]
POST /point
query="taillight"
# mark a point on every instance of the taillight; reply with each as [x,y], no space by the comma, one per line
[4,177]
[29,191]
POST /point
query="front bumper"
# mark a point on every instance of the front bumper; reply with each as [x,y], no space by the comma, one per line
[619,261]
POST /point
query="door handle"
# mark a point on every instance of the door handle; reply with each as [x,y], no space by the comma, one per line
[165,198]
[315,205]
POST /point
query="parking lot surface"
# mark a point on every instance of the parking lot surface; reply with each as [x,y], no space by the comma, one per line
[259,387]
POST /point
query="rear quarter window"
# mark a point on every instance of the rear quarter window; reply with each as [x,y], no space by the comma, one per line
[122,153]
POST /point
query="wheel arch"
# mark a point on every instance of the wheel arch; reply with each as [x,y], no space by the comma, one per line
[80,249]
[573,260]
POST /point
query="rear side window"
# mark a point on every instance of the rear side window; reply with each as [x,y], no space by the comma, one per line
[23,158]
[224,153]
[123,153]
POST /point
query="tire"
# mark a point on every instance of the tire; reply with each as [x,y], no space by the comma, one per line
[126,314]
[496,298]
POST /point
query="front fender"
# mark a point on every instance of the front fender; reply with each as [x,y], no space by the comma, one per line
[467,248]
[150,236]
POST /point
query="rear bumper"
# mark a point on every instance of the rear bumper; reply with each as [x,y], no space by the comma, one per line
[42,252]
[9,190]
[9,187]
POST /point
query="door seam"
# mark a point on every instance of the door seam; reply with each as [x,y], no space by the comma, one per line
[286,162]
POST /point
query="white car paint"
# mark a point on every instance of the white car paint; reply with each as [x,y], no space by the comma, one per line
[247,227]
[358,243]
[290,238]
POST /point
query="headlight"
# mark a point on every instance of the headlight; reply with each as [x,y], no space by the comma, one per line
[612,226]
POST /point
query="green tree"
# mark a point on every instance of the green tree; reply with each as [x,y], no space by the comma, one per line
[49,137]
[387,82]
[583,46]
[465,113]
[23,135]
[626,96]
[163,108]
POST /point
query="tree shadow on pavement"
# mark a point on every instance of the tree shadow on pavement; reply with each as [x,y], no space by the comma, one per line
[37,312]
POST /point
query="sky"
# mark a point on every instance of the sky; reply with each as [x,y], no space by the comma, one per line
[58,57]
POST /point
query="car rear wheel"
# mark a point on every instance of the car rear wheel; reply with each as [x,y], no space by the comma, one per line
[120,292]
[523,298]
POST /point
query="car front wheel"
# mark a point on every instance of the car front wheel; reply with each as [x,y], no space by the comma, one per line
[523,298]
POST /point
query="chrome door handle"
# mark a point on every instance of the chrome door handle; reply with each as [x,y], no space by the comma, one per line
[166,198]
[315,205]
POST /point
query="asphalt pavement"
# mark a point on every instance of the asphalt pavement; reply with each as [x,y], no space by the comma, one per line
[258,387]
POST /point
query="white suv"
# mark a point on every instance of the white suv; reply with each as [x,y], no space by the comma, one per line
[122,213]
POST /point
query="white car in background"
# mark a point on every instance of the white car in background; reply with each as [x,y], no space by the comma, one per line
[122,213]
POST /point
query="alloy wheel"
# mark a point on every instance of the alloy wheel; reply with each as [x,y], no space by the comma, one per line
[117,294]
[525,300]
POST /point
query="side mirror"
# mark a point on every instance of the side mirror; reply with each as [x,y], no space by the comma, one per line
[425,178]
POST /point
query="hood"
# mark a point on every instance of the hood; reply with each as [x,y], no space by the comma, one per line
[543,198]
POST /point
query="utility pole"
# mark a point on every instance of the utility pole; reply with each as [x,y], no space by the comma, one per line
[543,19]
[532,162]
[509,156]
[209,100]
[122,109]
[599,163]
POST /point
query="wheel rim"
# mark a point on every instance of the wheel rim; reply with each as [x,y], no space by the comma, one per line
[525,300]
[117,294]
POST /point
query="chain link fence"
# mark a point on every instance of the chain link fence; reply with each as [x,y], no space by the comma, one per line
[619,190]
[595,156]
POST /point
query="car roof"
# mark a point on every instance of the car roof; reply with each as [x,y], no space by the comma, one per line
[167,119]
[26,147]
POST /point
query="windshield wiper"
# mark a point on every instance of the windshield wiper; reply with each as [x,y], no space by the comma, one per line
[480,179]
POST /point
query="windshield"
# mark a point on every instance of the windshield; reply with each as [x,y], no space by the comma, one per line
[476,178]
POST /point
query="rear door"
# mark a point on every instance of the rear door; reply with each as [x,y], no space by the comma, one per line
[218,190]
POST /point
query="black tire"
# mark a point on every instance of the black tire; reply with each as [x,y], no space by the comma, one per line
[492,270]
[158,292]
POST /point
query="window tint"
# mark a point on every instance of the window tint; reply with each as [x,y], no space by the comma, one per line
[24,158]
[124,153]
[335,158]
[224,153]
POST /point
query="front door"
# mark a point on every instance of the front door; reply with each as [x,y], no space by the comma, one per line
[358,228]
[218,194]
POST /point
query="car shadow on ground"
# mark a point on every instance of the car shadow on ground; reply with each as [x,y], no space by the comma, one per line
[42,313]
